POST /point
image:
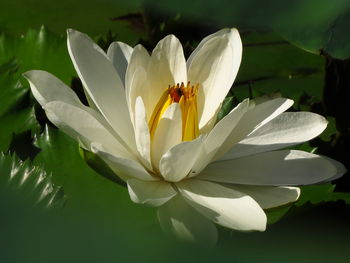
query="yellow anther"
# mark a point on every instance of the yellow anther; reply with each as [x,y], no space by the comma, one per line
[186,97]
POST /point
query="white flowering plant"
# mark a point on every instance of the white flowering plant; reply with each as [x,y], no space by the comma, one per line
[153,119]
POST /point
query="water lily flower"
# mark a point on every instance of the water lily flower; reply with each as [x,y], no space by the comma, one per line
[152,119]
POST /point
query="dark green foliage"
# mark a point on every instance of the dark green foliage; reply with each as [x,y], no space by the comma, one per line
[28,182]
[314,25]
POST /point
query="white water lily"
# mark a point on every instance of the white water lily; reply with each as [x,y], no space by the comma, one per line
[152,119]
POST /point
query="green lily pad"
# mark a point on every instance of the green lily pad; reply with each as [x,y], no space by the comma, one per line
[16,123]
[85,189]
[29,182]
[271,65]
[316,194]
[38,50]
[314,25]
[34,50]
[90,16]
[12,93]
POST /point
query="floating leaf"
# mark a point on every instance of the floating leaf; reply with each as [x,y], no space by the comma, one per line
[92,16]
[12,93]
[29,182]
[16,123]
[316,194]
[85,188]
[271,65]
[276,214]
[38,50]
[314,25]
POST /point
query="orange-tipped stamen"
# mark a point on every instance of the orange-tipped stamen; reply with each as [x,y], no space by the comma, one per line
[186,97]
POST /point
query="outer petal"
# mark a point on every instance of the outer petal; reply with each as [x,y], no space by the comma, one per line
[82,126]
[168,133]
[102,83]
[142,135]
[119,53]
[178,218]
[287,129]
[269,196]
[341,170]
[218,135]
[177,163]
[46,87]
[287,167]
[124,168]
[214,66]
[225,206]
[152,193]
[254,118]
[167,67]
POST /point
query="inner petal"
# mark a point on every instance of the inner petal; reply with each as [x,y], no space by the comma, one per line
[186,97]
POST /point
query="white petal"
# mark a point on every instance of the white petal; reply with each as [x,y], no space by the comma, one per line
[214,66]
[152,193]
[167,134]
[124,168]
[254,118]
[221,32]
[341,170]
[176,163]
[218,135]
[287,167]
[225,206]
[269,196]
[83,126]
[167,67]
[136,78]
[46,87]
[287,129]
[178,218]
[119,53]
[142,135]
[102,83]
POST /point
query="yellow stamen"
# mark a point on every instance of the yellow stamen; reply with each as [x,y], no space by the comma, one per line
[186,96]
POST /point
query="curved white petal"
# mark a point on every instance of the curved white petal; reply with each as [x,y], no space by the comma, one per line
[341,170]
[124,168]
[269,196]
[83,126]
[168,133]
[178,218]
[287,129]
[167,67]
[136,79]
[222,32]
[119,53]
[224,206]
[214,66]
[102,83]
[218,135]
[287,167]
[151,193]
[46,87]
[177,162]
[257,116]
[142,135]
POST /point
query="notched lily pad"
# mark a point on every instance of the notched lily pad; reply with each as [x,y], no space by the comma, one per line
[29,182]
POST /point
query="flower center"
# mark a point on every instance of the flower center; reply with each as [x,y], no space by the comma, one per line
[186,97]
